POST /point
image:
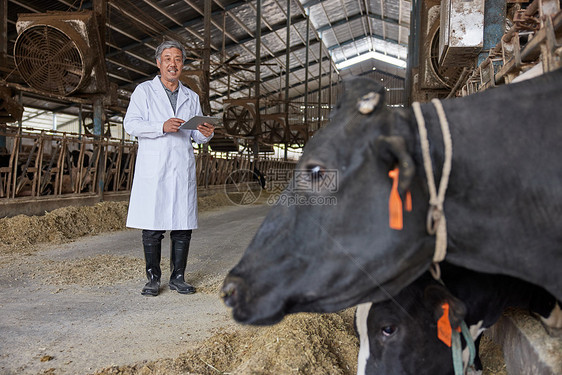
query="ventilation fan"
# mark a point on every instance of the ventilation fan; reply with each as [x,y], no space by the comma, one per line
[239,117]
[447,75]
[60,53]
[273,128]
[88,123]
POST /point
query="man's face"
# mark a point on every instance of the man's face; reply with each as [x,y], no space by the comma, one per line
[170,64]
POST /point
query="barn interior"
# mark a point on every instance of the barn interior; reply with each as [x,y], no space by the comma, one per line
[271,70]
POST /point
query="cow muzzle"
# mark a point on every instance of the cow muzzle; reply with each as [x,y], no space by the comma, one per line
[247,310]
[229,291]
[233,290]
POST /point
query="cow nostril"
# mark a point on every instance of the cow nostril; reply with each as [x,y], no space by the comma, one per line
[233,290]
[228,294]
[228,290]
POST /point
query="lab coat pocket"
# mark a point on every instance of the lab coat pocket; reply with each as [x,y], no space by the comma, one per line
[147,164]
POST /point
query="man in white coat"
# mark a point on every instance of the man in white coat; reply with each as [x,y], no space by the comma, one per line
[164,192]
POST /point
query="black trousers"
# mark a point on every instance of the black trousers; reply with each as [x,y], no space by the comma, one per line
[154,237]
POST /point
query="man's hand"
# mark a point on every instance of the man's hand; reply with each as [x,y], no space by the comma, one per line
[172,125]
[206,129]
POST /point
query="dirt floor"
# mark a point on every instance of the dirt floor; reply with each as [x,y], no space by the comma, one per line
[71,303]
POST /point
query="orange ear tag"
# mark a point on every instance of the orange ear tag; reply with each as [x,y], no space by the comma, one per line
[408,201]
[395,216]
[444,329]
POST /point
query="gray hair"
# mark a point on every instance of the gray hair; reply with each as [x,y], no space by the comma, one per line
[169,44]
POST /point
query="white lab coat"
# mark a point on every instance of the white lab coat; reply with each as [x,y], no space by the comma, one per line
[164,192]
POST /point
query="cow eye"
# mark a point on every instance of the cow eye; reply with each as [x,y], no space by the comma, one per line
[388,330]
[316,171]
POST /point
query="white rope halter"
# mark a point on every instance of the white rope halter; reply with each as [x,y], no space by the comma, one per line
[436,223]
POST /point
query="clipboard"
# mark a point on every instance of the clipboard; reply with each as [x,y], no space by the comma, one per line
[193,122]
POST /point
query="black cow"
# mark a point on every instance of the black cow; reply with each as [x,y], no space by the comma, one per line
[75,158]
[503,203]
[399,336]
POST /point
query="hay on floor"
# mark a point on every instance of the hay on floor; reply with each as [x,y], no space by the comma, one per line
[20,233]
[301,344]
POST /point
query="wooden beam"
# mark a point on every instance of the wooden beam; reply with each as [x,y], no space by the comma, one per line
[100,10]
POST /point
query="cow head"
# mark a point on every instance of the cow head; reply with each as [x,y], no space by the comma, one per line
[399,336]
[326,245]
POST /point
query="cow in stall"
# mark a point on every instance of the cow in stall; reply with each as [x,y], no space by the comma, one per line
[503,202]
[69,179]
[400,336]
[4,169]
[115,162]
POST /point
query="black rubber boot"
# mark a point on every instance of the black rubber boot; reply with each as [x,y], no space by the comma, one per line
[178,260]
[152,255]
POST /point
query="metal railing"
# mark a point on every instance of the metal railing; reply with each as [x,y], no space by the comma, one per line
[40,164]
[532,40]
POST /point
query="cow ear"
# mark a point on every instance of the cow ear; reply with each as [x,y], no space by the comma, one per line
[371,101]
[393,148]
[436,296]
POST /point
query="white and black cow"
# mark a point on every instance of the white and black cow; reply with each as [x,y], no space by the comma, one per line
[399,336]
[503,203]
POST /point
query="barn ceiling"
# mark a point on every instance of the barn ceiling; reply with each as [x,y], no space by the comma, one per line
[133,28]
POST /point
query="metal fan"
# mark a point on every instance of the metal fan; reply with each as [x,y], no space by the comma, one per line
[273,128]
[448,75]
[238,120]
[60,53]
[49,60]
[88,123]
[297,135]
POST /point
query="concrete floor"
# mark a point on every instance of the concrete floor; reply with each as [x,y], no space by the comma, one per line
[76,329]
[79,327]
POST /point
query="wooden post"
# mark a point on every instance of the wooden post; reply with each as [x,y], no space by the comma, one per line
[100,10]
[319,81]
[3,32]
[206,86]
[287,81]
[257,76]
[306,72]
[98,136]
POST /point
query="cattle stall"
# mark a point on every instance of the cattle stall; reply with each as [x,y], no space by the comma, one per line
[516,41]
[45,169]
[528,49]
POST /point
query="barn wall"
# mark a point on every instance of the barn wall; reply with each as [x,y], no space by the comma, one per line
[395,94]
[395,88]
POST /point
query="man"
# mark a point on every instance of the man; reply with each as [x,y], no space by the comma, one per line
[164,192]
